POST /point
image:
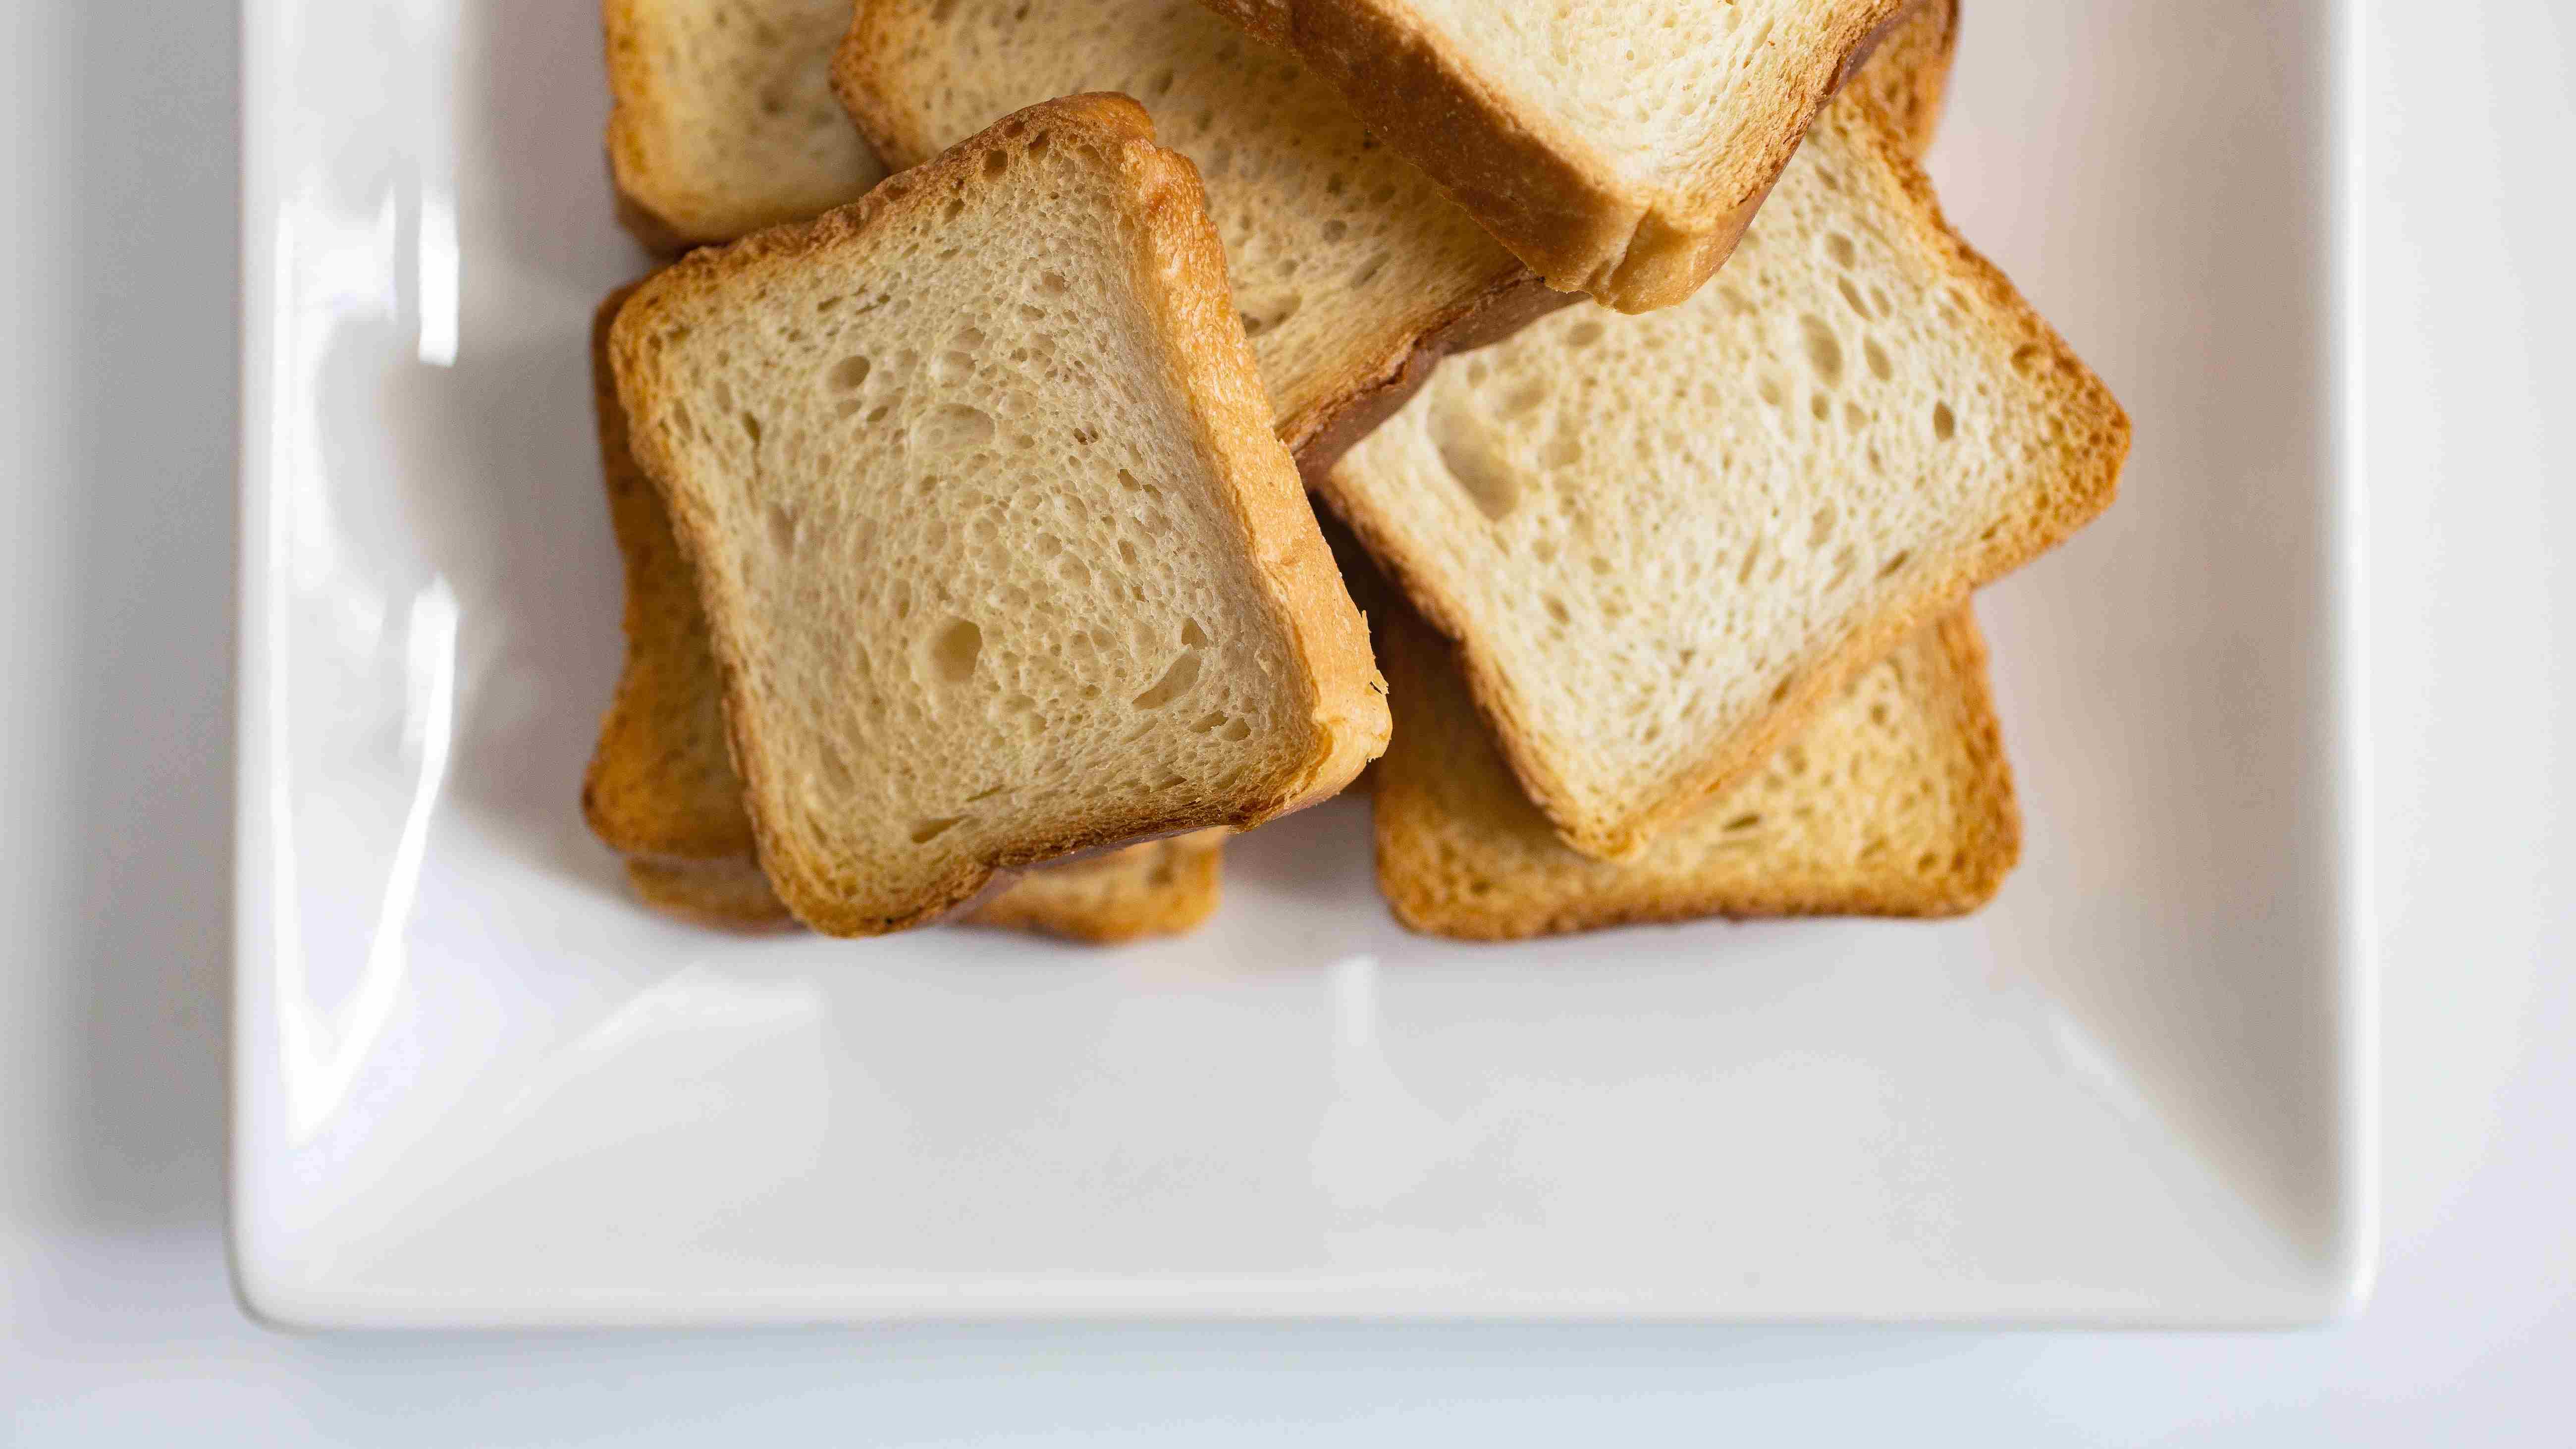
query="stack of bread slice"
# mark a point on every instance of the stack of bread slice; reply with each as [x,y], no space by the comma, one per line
[970,574]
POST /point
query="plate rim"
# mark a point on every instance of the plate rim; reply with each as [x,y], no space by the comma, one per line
[271,1294]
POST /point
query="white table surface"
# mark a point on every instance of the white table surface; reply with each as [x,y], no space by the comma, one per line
[117,397]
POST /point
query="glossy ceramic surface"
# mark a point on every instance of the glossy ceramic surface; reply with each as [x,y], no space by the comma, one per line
[473,1085]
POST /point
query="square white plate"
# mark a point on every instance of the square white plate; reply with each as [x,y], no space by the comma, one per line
[474,1085]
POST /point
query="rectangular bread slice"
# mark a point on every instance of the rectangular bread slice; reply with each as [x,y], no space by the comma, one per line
[1162,887]
[999,559]
[722,120]
[1159,888]
[661,787]
[1618,148]
[1351,271]
[1895,801]
[1664,542]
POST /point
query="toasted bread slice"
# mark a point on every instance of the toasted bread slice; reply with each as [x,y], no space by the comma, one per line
[1162,887]
[1908,71]
[1657,586]
[728,892]
[1895,801]
[660,782]
[1351,271]
[722,119]
[662,789]
[1618,148]
[1159,888]
[999,558]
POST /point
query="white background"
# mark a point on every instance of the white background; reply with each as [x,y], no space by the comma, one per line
[117,394]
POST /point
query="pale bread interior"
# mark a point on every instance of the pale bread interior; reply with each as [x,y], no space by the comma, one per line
[1895,800]
[724,120]
[979,566]
[1668,96]
[1661,539]
[1340,254]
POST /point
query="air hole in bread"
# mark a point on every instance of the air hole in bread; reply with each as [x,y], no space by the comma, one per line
[1265,313]
[1557,611]
[926,831]
[1824,350]
[955,649]
[1840,248]
[1880,366]
[782,528]
[1176,681]
[996,161]
[836,766]
[850,374]
[1844,562]
[1889,568]
[953,427]
[1584,334]
[1821,527]
[1471,458]
[1742,823]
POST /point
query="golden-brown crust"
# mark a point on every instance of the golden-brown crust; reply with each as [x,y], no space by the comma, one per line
[1906,69]
[1348,704]
[1219,377]
[876,33]
[659,782]
[728,894]
[1543,192]
[1168,887]
[665,200]
[1462,853]
[633,88]
[1165,888]
[1324,433]
[1990,832]
[867,75]
[2088,464]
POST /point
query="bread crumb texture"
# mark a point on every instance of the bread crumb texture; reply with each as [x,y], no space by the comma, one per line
[1000,560]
